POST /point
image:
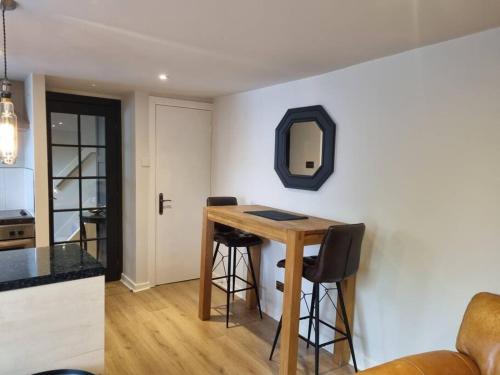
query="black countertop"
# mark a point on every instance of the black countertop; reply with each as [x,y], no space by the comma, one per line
[25,268]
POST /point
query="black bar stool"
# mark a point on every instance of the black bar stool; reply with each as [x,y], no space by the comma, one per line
[233,239]
[338,258]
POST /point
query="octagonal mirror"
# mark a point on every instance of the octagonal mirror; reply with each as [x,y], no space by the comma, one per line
[305,148]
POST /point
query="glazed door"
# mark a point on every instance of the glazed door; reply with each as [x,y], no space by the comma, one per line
[84,155]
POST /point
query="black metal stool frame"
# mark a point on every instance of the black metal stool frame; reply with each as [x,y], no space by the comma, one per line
[315,321]
[230,274]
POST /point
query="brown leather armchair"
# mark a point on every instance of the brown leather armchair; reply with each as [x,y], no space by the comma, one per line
[478,346]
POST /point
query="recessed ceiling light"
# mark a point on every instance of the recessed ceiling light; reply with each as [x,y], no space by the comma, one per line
[60,123]
[163,77]
[93,84]
[53,125]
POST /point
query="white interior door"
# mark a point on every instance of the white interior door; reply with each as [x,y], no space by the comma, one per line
[183,154]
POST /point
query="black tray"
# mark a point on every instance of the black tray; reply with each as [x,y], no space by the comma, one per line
[276,215]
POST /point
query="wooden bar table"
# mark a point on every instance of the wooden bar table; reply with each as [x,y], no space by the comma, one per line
[295,234]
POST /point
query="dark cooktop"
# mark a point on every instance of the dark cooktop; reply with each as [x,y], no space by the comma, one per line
[20,216]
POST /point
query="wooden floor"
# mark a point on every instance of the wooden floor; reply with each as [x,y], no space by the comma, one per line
[157,332]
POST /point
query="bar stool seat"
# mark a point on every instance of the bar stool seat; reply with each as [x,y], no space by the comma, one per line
[237,238]
[308,263]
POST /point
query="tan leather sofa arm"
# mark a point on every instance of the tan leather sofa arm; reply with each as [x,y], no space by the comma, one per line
[441,362]
[479,335]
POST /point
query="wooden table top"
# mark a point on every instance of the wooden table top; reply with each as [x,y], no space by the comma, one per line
[313,228]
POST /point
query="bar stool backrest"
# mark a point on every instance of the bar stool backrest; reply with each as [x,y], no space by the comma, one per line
[222,201]
[339,254]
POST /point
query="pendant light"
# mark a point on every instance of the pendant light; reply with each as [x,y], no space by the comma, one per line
[8,118]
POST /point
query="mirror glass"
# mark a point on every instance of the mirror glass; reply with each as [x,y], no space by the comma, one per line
[305,143]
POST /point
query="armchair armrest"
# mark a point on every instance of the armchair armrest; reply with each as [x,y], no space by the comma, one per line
[441,362]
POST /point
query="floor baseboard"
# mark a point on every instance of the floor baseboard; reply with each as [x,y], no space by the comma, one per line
[133,286]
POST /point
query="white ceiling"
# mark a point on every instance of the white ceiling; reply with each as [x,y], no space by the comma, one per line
[212,48]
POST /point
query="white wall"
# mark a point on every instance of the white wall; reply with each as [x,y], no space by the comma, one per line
[16,188]
[34,88]
[135,154]
[417,160]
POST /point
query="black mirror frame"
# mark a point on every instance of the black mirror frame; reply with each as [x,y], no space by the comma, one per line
[313,113]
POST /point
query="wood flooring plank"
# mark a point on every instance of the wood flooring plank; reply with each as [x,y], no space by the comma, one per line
[158,332]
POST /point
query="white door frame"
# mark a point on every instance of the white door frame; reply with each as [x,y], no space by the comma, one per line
[152,202]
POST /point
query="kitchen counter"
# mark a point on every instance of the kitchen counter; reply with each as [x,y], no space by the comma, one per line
[52,307]
[25,268]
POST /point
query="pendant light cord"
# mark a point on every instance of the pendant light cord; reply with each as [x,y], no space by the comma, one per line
[4,43]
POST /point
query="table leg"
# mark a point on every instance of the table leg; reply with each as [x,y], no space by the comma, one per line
[207,243]
[341,353]
[251,301]
[291,303]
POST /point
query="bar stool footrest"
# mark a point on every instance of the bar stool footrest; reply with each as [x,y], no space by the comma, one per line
[231,291]
[326,324]
[323,344]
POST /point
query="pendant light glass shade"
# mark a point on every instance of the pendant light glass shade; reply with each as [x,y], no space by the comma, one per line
[8,118]
[8,132]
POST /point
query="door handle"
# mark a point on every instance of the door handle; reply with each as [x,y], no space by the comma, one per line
[160,203]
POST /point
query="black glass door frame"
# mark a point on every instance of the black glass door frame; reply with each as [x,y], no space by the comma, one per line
[110,109]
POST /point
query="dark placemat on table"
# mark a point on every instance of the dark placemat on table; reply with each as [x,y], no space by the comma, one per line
[276,215]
